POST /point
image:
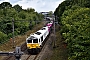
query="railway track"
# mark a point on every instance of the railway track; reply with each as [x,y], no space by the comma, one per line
[29,57]
[35,57]
[23,49]
[9,58]
[24,57]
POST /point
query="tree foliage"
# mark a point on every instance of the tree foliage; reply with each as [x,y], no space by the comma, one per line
[67,4]
[74,18]
[2,37]
[24,19]
[76,32]
[17,8]
[5,5]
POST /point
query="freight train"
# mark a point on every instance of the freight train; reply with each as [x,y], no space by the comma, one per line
[36,40]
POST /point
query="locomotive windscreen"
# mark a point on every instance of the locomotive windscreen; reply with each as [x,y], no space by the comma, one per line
[35,40]
[29,41]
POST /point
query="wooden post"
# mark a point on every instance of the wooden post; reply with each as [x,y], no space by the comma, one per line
[13,33]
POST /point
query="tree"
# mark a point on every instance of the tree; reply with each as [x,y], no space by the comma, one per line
[50,13]
[29,10]
[75,22]
[5,5]
[17,8]
[3,37]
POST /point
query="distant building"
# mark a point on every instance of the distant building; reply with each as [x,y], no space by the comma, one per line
[47,15]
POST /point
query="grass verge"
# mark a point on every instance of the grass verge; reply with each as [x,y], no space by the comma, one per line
[60,50]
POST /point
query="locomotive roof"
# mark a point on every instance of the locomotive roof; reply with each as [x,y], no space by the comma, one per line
[38,34]
[41,32]
[31,37]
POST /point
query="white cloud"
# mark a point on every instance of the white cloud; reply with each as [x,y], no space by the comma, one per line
[38,5]
[4,1]
[13,1]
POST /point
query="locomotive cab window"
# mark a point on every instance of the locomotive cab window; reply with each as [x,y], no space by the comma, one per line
[29,41]
[42,38]
[35,40]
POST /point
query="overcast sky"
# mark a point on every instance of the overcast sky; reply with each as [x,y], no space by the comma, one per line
[38,5]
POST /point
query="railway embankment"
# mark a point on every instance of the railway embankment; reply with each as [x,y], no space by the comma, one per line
[19,40]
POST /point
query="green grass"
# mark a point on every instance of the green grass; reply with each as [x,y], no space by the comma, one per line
[60,50]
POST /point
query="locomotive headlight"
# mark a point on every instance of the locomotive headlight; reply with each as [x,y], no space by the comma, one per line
[37,45]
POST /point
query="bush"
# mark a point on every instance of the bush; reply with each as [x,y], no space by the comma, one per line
[3,37]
